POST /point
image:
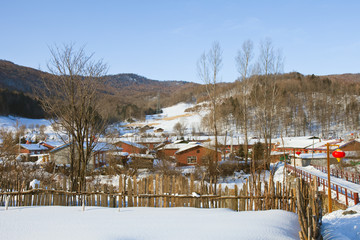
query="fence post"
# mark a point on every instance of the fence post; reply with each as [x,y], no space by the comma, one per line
[356,198]
[7,202]
[337,192]
[346,197]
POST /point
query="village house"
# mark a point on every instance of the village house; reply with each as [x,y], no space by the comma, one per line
[195,154]
[61,155]
[295,144]
[32,148]
[169,150]
[149,142]
[131,147]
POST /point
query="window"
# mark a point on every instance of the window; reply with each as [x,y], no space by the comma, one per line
[198,151]
[191,160]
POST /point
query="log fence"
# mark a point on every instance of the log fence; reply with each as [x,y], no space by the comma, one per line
[158,191]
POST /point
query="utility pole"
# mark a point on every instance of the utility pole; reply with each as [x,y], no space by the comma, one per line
[328,171]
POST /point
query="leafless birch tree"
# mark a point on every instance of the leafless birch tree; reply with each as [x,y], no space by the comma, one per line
[243,61]
[266,92]
[209,66]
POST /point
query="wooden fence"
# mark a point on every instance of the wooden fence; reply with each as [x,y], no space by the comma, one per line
[159,191]
[179,191]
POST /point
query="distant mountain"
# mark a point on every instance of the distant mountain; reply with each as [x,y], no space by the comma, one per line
[19,78]
[24,79]
[349,77]
[119,90]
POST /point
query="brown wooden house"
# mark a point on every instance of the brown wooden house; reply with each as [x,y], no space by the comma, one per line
[131,147]
[195,154]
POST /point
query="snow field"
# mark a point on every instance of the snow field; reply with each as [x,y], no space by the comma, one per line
[145,223]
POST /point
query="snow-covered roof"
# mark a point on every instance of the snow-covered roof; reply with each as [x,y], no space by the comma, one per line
[343,144]
[174,146]
[194,145]
[296,142]
[139,155]
[123,154]
[34,147]
[187,147]
[53,143]
[315,156]
[279,153]
[103,146]
[322,145]
[99,146]
[133,144]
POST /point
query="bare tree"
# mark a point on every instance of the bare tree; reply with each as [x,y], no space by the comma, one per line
[179,129]
[266,92]
[243,60]
[71,99]
[209,66]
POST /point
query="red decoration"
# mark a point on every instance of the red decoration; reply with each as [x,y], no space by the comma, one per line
[338,154]
[298,153]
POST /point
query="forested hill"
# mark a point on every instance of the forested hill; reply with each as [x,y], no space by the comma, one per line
[121,93]
[25,79]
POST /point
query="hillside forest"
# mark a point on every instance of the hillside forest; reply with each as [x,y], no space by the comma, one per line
[300,105]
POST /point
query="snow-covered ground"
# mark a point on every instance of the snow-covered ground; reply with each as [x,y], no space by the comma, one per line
[174,114]
[145,223]
[10,122]
[339,225]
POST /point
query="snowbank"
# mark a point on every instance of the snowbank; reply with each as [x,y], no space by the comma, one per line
[336,225]
[145,223]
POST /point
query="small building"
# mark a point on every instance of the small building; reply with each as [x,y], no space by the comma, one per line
[169,150]
[295,144]
[33,149]
[61,155]
[131,147]
[159,130]
[137,160]
[195,154]
[316,159]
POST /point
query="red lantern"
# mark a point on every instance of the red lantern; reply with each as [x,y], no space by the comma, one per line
[298,153]
[338,154]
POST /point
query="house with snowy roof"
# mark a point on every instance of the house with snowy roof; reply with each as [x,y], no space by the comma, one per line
[33,148]
[295,144]
[169,150]
[131,147]
[61,155]
[195,154]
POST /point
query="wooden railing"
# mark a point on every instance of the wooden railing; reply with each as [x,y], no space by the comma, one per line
[340,190]
[347,175]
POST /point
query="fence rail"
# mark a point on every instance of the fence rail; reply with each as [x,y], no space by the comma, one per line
[158,191]
[340,190]
[347,175]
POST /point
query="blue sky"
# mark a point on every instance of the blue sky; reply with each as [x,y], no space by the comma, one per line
[164,39]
